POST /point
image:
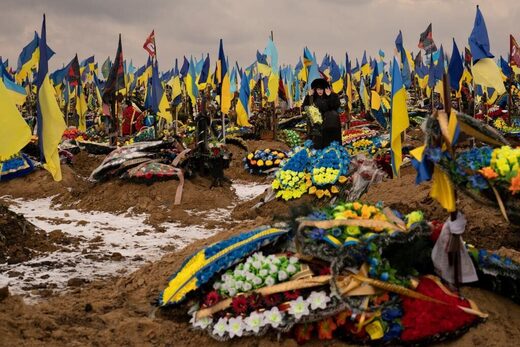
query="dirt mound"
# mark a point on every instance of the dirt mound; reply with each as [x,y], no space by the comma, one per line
[486,227]
[20,240]
[119,312]
[84,163]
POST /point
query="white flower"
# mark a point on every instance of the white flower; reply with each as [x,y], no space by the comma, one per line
[257,264]
[250,277]
[254,322]
[231,283]
[293,260]
[257,281]
[318,300]
[282,276]
[239,285]
[232,291]
[236,327]
[217,285]
[273,317]
[299,307]
[291,269]
[247,267]
[226,277]
[273,269]
[221,327]
[269,281]
[247,286]
[263,273]
[276,261]
[238,272]
[202,323]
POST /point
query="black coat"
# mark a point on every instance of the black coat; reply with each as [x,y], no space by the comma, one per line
[328,106]
[331,127]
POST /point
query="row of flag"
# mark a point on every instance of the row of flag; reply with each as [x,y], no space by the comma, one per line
[379,85]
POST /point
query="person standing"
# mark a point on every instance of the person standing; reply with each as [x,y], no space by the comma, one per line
[327,102]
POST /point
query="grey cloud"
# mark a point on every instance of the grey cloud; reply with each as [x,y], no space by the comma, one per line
[185,27]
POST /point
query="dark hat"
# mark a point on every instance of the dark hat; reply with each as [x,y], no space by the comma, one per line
[319,83]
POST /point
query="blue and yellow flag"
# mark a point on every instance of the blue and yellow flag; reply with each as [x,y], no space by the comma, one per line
[51,124]
[399,118]
[335,75]
[455,68]
[223,80]
[485,70]
[242,107]
[15,134]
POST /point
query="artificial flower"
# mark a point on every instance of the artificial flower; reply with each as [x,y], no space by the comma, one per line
[221,327]
[303,332]
[212,298]
[515,184]
[201,323]
[299,307]
[326,328]
[273,317]
[254,322]
[272,300]
[488,173]
[318,300]
[239,304]
[291,294]
[236,326]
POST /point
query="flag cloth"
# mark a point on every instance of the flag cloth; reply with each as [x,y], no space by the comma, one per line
[514,50]
[160,103]
[203,78]
[224,83]
[51,124]
[455,68]
[442,189]
[485,70]
[73,75]
[399,118]
[506,69]
[15,134]
[242,106]
[363,94]
[426,41]
[81,108]
[105,68]
[149,44]
[116,78]
[191,86]
[335,74]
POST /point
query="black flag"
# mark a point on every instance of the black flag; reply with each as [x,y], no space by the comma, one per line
[116,78]
[426,40]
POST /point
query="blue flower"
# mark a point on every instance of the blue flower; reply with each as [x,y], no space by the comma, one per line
[394,332]
[317,233]
[391,313]
[336,232]
[478,182]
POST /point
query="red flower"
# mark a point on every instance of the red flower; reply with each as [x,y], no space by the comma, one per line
[212,298]
[302,332]
[291,294]
[342,317]
[325,329]
[324,271]
[216,151]
[272,300]
[436,230]
[254,301]
[239,304]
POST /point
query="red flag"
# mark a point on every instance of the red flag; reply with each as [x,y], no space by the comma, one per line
[514,51]
[149,44]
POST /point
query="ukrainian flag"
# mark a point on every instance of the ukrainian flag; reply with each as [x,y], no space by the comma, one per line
[51,124]
[224,84]
[399,118]
[191,86]
[81,108]
[335,74]
[242,107]
[485,70]
[15,134]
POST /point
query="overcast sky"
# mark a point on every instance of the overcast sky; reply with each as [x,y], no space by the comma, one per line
[185,27]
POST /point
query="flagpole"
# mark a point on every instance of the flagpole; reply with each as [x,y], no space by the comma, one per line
[509,95]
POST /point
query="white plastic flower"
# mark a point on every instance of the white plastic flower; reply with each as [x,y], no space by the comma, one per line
[269,281]
[247,286]
[318,300]
[263,273]
[254,322]
[221,327]
[247,267]
[291,269]
[275,260]
[282,276]
[226,277]
[257,281]
[299,307]
[293,260]
[236,327]
[257,264]
[239,285]
[202,323]
[273,269]
[232,291]
[217,285]
[273,317]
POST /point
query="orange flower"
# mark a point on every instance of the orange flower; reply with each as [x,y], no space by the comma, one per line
[515,184]
[488,173]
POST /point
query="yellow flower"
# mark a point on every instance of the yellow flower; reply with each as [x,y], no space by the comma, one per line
[250,156]
[269,162]
[356,205]
[334,189]
[312,190]
[319,193]
[342,179]
[260,162]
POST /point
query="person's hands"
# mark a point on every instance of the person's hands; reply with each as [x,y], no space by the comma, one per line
[311,92]
[327,91]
